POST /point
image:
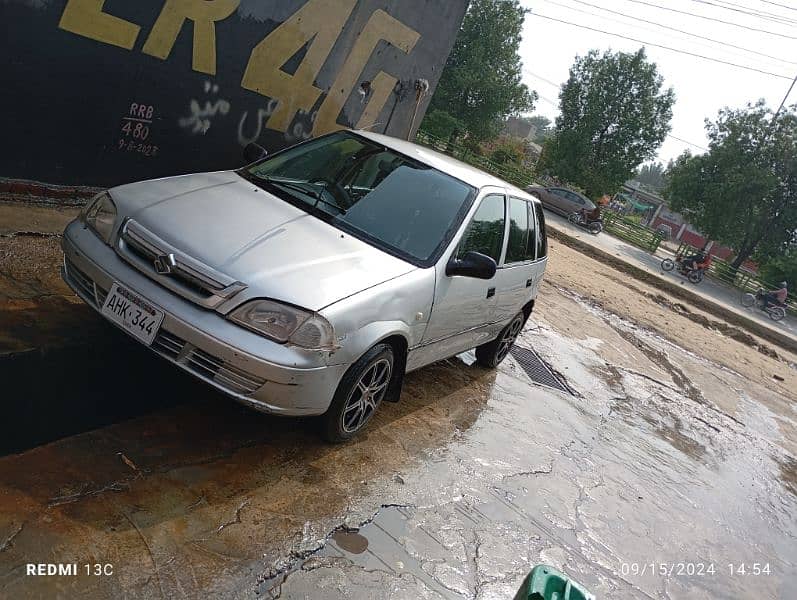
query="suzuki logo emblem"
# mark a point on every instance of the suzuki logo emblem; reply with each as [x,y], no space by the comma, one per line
[165,264]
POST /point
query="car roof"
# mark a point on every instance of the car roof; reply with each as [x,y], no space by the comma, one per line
[451,166]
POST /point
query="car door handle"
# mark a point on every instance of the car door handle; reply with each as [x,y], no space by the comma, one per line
[528,282]
[490,292]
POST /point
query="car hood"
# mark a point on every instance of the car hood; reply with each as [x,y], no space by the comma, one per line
[276,249]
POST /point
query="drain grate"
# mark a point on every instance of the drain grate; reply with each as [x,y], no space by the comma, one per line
[536,368]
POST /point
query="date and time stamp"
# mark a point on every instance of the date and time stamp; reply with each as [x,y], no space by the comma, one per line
[695,569]
[640,569]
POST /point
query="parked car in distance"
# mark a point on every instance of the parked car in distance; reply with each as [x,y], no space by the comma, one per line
[561,200]
[309,282]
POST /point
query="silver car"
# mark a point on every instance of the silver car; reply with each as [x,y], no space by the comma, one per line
[309,282]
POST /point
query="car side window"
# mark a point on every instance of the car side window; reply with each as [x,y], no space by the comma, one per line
[485,233]
[531,242]
[575,198]
[518,230]
[542,241]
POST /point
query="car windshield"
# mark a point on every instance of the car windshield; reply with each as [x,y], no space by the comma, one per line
[388,199]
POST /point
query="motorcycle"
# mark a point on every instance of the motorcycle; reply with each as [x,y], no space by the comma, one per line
[775,311]
[594,226]
[693,275]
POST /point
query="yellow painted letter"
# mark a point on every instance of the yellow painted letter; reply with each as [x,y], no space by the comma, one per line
[382,86]
[204,14]
[381,26]
[318,22]
[85,17]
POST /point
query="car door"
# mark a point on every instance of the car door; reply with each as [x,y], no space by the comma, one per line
[463,312]
[516,278]
[559,200]
[574,202]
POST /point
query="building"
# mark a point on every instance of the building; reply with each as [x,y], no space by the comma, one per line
[520,128]
[102,93]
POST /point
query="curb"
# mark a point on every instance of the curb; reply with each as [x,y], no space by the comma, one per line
[24,190]
[784,341]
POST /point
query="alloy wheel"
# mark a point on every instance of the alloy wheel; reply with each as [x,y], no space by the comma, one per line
[509,338]
[366,395]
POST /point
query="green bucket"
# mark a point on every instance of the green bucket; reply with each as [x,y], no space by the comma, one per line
[546,583]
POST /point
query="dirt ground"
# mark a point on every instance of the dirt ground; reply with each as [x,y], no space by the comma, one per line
[676,447]
[683,324]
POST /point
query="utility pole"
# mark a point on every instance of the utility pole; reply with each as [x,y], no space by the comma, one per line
[786,97]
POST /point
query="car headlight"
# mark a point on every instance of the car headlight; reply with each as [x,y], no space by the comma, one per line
[286,324]
[100,215]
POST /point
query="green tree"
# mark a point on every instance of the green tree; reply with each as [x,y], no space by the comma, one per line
[442,124]
[481,83]
[652,176]
[743,191]
[781,268]
[614,115]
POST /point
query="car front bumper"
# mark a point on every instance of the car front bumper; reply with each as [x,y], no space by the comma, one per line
[257,372]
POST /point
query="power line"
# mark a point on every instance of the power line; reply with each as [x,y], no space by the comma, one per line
[739,9]
[685,142]
[757,11]
[670,28]
[683,12]
[709,58]
[776,4]
[541,78]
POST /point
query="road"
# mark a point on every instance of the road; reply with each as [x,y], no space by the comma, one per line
[708,288]
[678,452]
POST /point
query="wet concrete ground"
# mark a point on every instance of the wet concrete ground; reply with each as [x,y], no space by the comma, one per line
[661,462]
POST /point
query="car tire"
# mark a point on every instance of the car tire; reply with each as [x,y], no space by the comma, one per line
[491,354]
[359,394]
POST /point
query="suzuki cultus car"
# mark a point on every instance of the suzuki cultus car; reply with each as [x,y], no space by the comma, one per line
[310,281]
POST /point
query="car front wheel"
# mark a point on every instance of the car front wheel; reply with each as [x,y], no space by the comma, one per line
[359,394]
[492,353]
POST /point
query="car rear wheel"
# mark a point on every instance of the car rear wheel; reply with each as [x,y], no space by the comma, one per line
[491,354]
[359,394]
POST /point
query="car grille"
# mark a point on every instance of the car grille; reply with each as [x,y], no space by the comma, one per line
[168,344]
[96,295]
[186,276]
[205,364]
[174,348]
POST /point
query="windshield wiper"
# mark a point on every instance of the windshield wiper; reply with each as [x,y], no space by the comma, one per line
[300,187]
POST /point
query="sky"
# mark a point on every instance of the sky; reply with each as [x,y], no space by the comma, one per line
[702,87]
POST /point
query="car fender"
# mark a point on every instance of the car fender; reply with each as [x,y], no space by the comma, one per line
[401,306]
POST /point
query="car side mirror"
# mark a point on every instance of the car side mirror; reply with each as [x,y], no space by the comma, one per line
[473,264]
[254,152]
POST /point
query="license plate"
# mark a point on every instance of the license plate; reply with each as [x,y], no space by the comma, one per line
[132,312]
